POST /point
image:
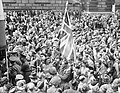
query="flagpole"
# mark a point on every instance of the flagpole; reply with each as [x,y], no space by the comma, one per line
[7,66]
[64,14]
[63,17]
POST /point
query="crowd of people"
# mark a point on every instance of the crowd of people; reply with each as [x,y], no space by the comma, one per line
[35,62]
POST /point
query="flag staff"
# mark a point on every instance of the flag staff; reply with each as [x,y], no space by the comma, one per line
[63,18]
[64,14]
[70,36]
[7,66]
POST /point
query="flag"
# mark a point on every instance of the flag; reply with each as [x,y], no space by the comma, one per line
[67,41]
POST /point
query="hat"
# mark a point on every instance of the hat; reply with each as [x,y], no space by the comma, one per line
[110,90]
[43,56]
[22,55]
[40,84]
[95,89]
[104,87]
[56,80]
[73,82]
[94,82]
[3,81]
[9,86]
[30,85]
[90,63]
[81,78]
[82,47]
[106,78]
[20,84]
[48,75]
[85,88]
[15,59]
[90,91]
[19,77]
[116,83]
[52,71]
[17,49]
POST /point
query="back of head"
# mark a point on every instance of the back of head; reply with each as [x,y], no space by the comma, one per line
[56,80]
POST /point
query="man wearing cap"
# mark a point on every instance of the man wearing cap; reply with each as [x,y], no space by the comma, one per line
[67,72]
[40,86]
[47,65]
[56,50]
[25,68]
[72,89]
[55,83]
[20,85]
[31,88]
[14,69]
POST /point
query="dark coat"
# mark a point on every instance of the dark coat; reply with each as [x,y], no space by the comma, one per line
[67,75]
[26,71]
[14,70]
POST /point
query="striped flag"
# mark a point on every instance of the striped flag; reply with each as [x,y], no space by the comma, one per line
[67,41]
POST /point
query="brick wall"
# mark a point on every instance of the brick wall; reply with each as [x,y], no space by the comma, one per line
[37,4]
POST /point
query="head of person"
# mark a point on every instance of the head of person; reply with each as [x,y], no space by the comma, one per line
[21,85]
[30,87]
[47,61]
[22,58]
[15,60]
[56,81]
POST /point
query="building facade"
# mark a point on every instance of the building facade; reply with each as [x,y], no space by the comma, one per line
[37,5]
[88,5]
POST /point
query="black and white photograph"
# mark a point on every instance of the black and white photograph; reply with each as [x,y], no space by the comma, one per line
[59,46]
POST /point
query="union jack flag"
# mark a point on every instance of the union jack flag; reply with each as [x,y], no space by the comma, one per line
[67,40]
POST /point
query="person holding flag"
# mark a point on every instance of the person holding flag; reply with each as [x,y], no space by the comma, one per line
[67,40]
